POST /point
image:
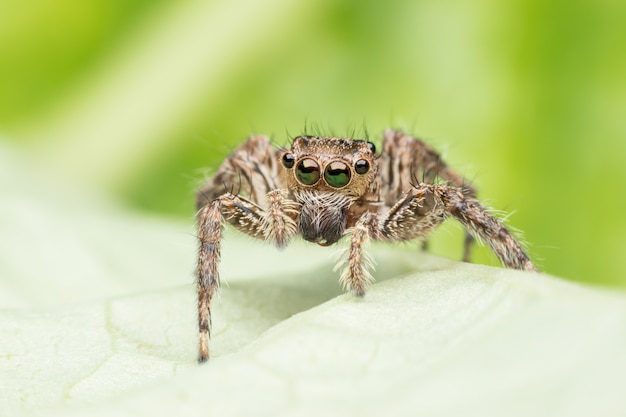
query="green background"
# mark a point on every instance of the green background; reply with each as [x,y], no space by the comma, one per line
[526,98]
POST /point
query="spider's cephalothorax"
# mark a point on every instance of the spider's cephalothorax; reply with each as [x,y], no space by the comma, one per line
[326,188]
[325,176]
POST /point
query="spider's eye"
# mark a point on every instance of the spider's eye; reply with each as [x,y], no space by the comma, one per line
[372,147]
[308,171]
[337,174]
[288,160]
[361,166]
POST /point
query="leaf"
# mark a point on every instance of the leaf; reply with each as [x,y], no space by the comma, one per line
[98,319]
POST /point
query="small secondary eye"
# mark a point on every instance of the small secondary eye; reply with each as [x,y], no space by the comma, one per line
[308,171]
[337,174]
[288,160]
[361,166]
[372,147]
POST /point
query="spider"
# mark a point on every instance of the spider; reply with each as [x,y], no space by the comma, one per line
[324,188]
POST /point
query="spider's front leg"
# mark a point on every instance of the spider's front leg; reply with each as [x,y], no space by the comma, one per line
[425,206]
[478,221]
[415,215]
[355,276]
[276,224]
[422,209]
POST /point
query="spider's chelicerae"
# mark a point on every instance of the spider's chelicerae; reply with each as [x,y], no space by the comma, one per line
[325,188]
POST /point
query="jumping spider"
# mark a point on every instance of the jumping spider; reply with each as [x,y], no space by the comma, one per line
[324,188]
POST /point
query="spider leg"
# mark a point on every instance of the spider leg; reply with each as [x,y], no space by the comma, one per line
[479,222]
[279,220]
[416,214]
[248,192]
[355,276]
[251,171]
[276,224]
[210,229]
[425,206]
[406,160]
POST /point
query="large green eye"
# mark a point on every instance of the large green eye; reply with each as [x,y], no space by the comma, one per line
[308,171]
[337,174]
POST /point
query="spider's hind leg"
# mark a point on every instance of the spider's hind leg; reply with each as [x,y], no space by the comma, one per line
[407,160]
[250,171]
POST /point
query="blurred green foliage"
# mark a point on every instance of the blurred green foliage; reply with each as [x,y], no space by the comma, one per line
[46,46]
[526,98]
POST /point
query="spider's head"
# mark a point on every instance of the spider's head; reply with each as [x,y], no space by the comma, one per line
[344,166]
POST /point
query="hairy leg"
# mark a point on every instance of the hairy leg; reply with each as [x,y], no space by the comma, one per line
[355,276]
[276,224]
[251,171]
[210,228]
[414,216]
[481,223]
[405,161]
[425,206]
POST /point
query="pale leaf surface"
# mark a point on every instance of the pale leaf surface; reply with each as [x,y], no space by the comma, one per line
[98,319]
